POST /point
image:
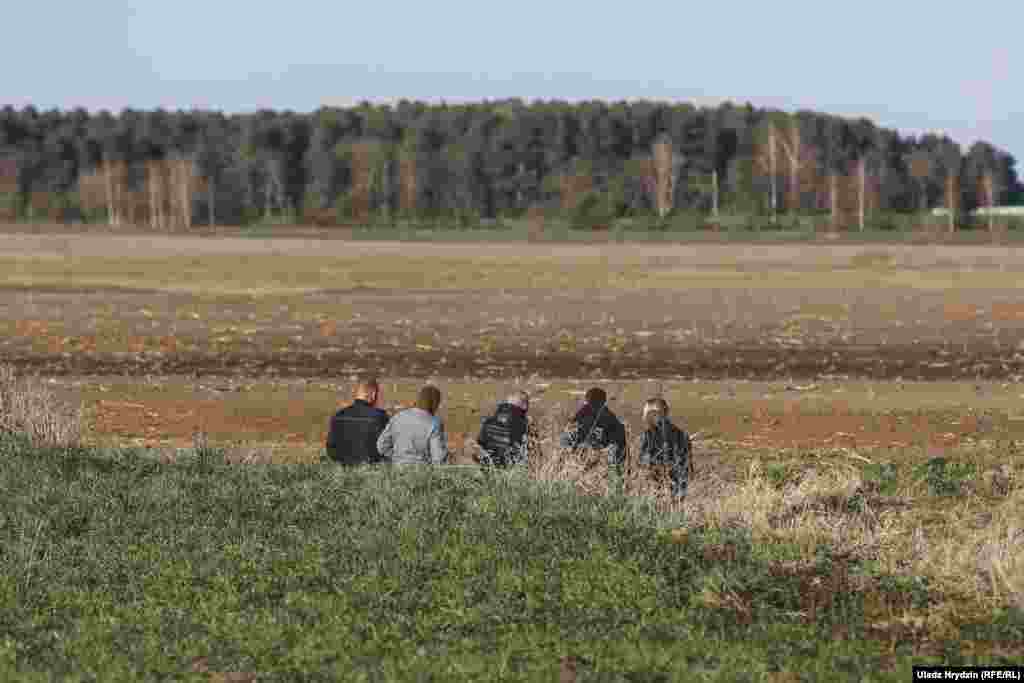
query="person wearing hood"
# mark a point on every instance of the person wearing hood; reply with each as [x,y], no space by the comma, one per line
[596,426]
[506,435]
[664,444]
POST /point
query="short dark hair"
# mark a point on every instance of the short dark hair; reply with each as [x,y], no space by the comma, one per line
[596,396]
[429,398]
[365,383]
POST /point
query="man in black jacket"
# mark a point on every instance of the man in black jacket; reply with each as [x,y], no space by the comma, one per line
[665,445]
[352,438]
[505,437]
[595,426]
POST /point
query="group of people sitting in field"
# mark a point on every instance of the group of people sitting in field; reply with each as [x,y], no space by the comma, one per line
[363,433]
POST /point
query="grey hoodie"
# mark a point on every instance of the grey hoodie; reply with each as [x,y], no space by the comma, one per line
[414,437]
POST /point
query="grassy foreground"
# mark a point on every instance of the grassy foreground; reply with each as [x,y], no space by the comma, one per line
[119,568]
[116,564]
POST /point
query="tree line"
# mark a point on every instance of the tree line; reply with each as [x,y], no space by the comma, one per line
[467,162]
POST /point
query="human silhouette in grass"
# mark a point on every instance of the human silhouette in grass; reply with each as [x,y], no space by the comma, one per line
[596,426]
[416,436]
[664,444]
[353,433]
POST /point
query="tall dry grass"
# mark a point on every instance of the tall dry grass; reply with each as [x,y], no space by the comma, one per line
[29,408]
[970,546]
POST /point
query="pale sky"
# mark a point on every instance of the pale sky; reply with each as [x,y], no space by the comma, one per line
[912,65]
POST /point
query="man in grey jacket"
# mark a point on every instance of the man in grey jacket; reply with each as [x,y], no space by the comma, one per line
[416,436]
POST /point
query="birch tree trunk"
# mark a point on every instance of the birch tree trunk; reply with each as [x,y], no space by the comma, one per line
[860,194]
[714,193]
[833,198]
[988,189]
[211,200]
[186,193]
[772,173]
[108,186]
[951,201]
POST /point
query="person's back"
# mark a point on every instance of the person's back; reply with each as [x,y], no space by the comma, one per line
[664,444]
[352,436]
[416,436]
[504,436]
[595,425]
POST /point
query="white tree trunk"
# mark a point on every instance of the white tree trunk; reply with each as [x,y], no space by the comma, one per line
[714,193]
[211,200]
[949,203]
[772,172]
[833,197]
[860,195]
[107,184]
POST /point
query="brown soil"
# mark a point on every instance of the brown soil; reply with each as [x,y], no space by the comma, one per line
[158,422]
[796,430]
[728,362]
[698,333]
[173,421]
[176,421]
[728,333]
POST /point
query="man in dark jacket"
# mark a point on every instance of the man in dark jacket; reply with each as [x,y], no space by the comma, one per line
[352,438]
[595,426]
[665,445]
[505,436]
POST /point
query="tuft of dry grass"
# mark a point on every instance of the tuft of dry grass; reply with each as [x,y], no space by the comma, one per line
[826,507]
[972,548]
[27,407]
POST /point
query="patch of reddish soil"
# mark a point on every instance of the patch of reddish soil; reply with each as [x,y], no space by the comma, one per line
[175,421]
[840,430]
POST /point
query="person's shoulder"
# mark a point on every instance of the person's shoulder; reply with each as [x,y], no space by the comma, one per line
[362,410]
[403,415]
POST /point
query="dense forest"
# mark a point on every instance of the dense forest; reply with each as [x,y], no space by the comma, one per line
[464,163]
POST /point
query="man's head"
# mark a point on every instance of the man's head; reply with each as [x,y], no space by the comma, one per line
[520,399]
[367,389]
[596,397]
[655,409]
[429,399]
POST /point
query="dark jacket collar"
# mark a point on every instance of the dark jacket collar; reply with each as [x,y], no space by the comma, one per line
[590,410]
[504,407]
[663,424]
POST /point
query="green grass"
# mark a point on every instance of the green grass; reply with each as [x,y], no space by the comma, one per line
[117,568]
[270,275]
[733,229]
